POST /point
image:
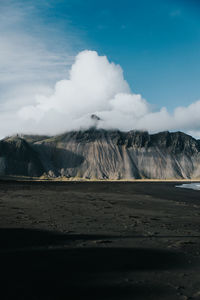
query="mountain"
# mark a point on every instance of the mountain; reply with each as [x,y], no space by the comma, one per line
[17,157]
[102,154]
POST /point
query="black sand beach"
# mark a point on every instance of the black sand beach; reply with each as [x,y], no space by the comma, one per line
[99,240]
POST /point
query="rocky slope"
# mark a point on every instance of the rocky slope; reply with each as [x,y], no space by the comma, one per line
[103,154]
[17,157]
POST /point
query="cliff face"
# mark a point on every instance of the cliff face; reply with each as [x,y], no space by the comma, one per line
[17,157]
[105,154]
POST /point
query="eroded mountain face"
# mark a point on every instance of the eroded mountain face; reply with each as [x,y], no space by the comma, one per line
[101,154]
[17,157]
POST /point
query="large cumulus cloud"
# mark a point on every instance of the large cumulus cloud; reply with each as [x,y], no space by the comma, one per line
[96,86]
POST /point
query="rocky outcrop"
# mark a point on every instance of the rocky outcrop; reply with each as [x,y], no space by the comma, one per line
[17,157]
[101,154]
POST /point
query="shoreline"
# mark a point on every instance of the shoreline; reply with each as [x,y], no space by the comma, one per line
[74,179]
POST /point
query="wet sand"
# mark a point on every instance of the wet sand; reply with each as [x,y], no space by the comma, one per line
[99,240]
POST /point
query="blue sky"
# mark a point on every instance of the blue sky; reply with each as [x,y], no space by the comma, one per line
[156,43]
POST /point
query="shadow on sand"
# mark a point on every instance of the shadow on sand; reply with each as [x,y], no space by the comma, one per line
[32,270]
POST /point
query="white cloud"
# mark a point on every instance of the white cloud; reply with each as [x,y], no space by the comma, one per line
[30,59]
[96,86]
[34,56]
[93,82]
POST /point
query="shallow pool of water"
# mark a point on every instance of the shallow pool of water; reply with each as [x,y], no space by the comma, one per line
[193,186]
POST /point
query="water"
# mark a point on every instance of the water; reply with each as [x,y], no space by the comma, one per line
[193,186]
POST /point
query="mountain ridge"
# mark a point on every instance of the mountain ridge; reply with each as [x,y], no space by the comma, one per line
[102,154]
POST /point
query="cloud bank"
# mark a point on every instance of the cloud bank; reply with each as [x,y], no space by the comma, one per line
[33,55]
[96,86]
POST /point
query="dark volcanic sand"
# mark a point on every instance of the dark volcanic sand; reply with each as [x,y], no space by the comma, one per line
[69,240]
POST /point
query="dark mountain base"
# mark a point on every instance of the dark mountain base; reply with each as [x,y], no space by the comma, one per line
[99,241]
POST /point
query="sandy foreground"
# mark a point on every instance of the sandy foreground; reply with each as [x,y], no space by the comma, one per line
[99,240]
